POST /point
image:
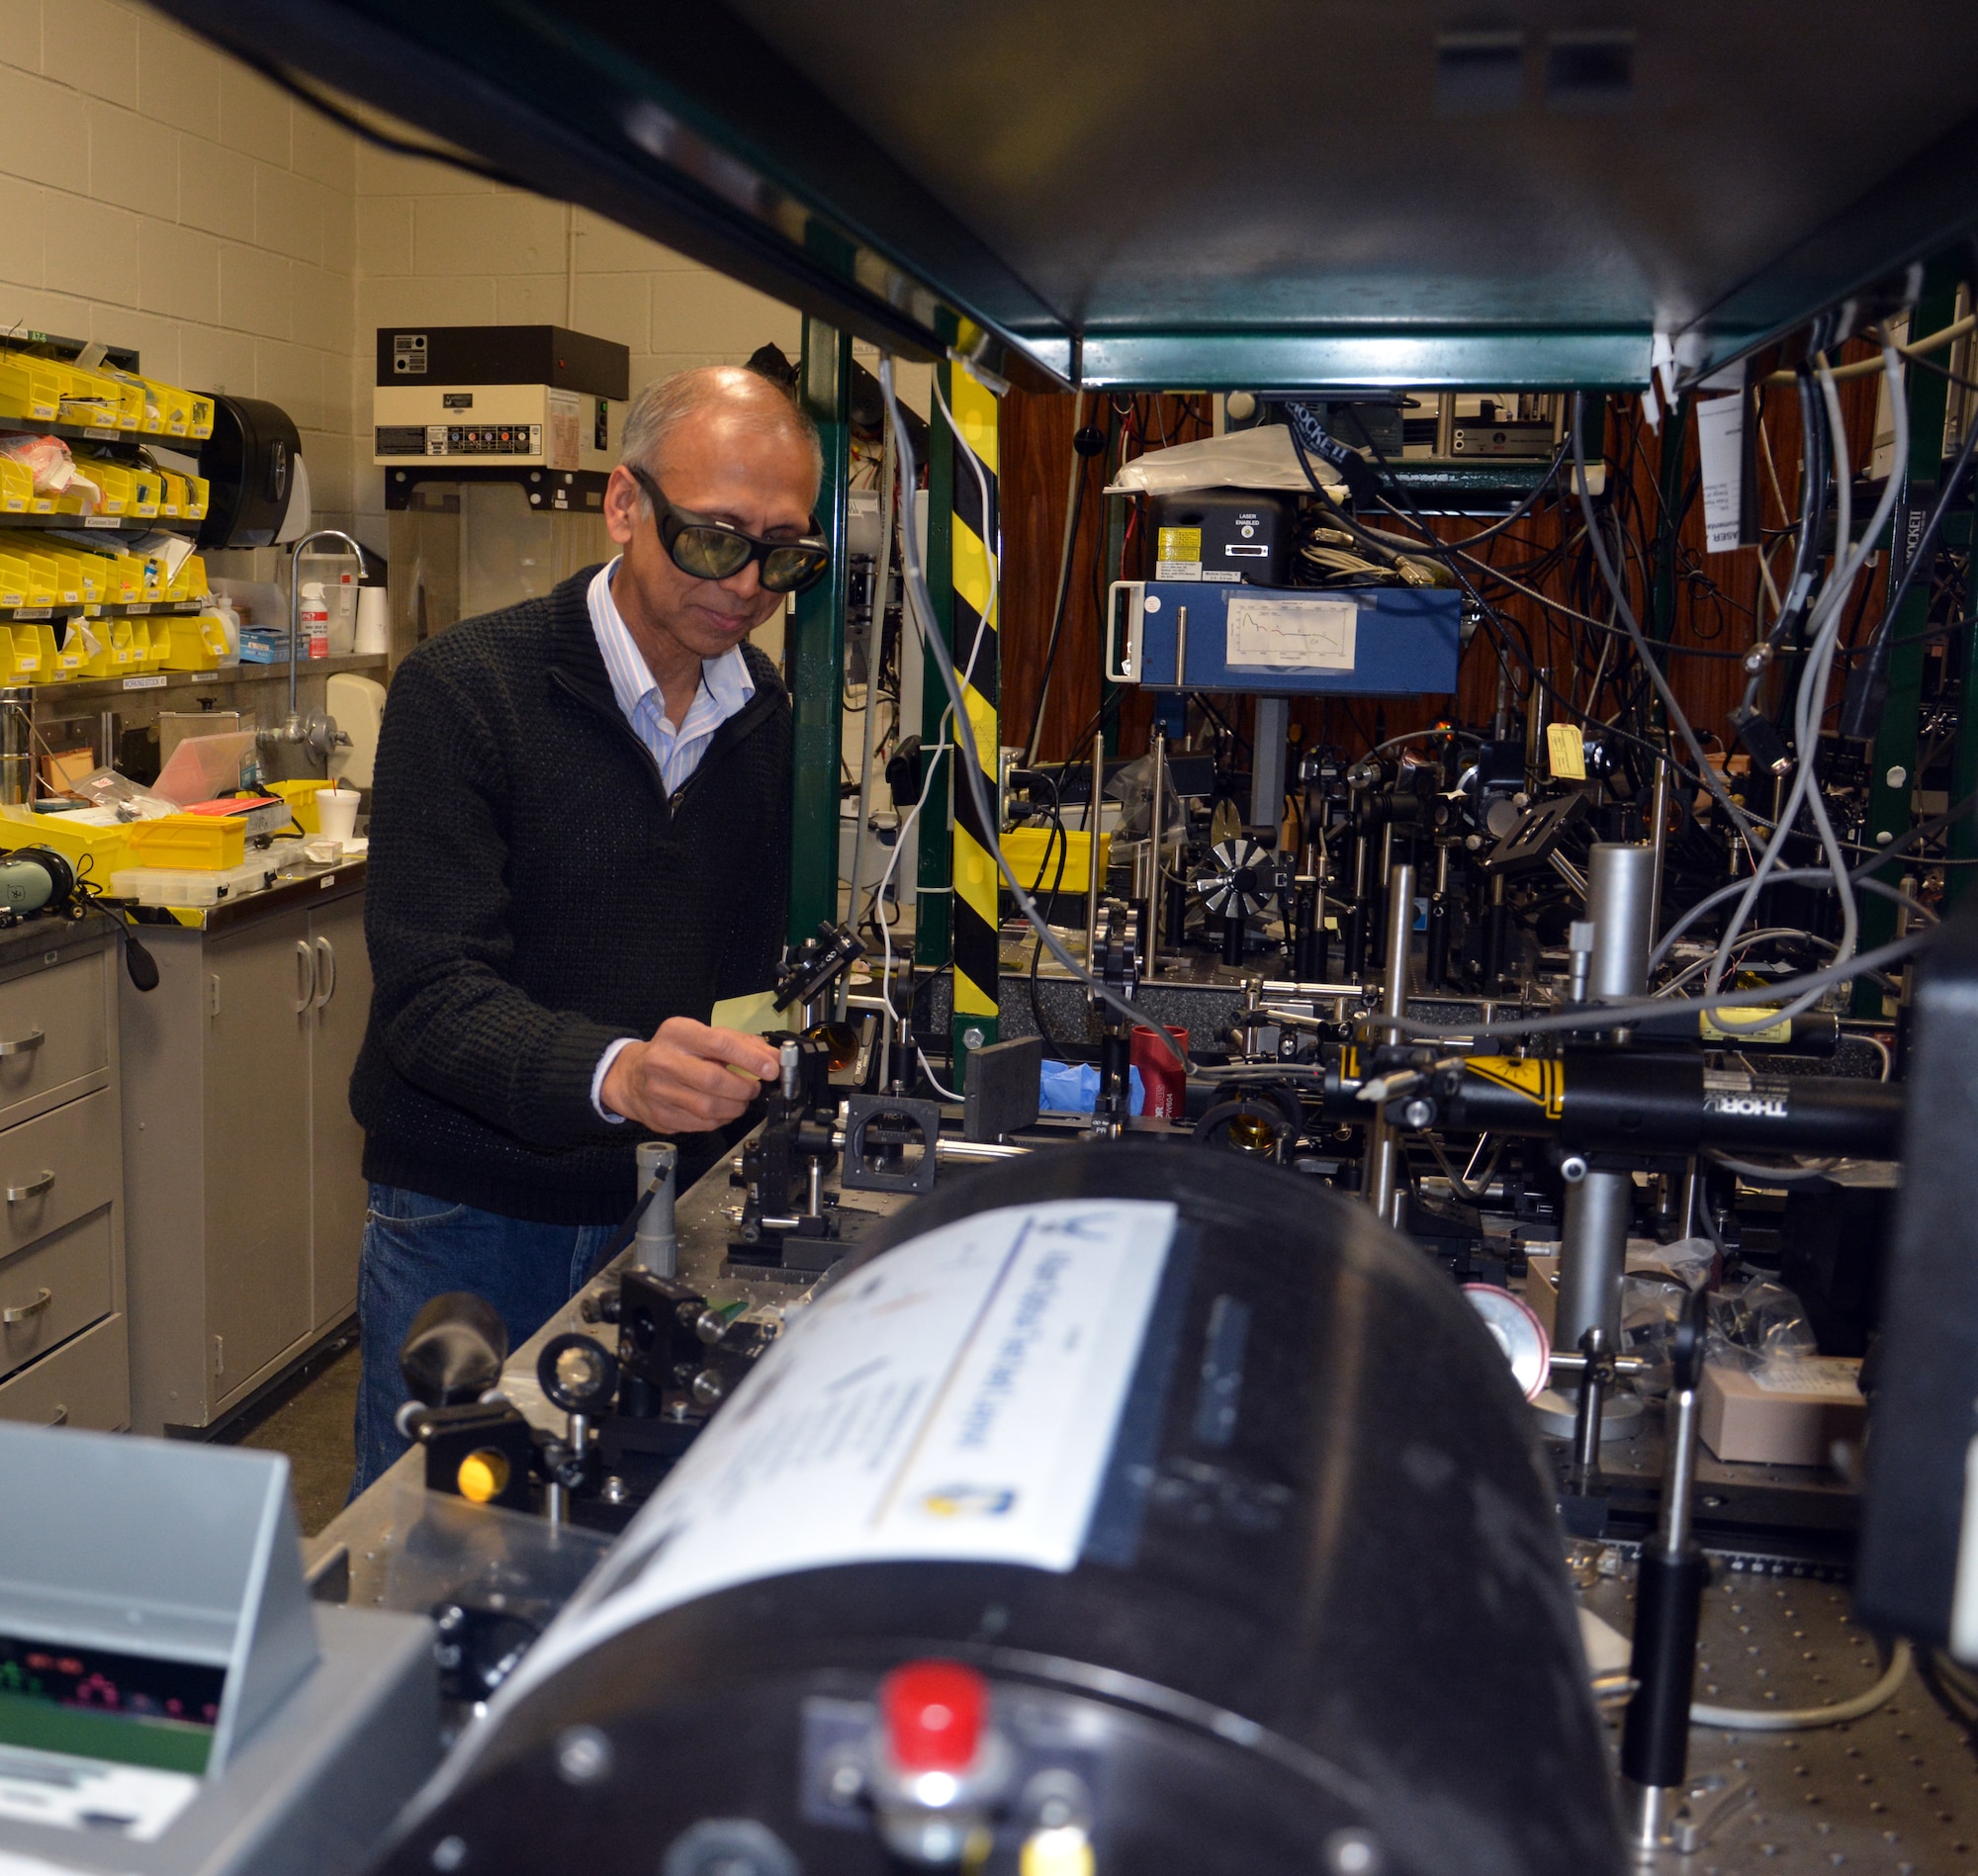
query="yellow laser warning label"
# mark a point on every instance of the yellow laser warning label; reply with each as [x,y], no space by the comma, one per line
[1536,1078]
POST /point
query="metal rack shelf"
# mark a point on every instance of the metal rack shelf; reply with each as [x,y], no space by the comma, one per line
[1505,212]
[101,433]
[189,679]
[99,523]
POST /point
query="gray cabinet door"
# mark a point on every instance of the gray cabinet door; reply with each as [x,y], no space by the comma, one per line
[260,1010]
[341,1007]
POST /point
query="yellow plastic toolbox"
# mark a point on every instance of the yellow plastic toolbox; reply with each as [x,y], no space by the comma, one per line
[203,842]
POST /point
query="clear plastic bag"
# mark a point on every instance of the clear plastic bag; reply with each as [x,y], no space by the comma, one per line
[1753,1324]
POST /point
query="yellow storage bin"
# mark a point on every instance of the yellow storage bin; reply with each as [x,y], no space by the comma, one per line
[113,480]
[199,492]
[30,388]
[69,576]
[300,797]
[92,643]
[130,400]
[191,643]
[44,579]
[174,406]
[95,578]
[199,415]
[123,580]
[20,655]
[17,487]
[147,490]
[174,496]
[71,650]
[14,580]
[192,577]
[89,398]
[205,844]
[1032,854]
[35,648]
[95,852]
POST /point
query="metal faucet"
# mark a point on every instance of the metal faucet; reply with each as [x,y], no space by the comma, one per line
[319,731]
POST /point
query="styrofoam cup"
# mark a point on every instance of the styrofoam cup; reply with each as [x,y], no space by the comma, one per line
[337,813]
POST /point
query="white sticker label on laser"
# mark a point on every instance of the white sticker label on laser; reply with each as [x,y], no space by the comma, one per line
[133,1802]
[954,1399]
[1291,634]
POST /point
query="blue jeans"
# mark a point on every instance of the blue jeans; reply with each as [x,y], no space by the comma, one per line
[417,1248]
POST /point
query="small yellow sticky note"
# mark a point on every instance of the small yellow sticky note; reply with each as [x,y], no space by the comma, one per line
[1568,750]
[750,1016]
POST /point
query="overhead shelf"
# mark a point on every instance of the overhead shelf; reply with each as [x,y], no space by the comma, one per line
[1289,194]
[243,673]
[101,523]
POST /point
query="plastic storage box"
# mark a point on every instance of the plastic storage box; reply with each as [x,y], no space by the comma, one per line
[198,843]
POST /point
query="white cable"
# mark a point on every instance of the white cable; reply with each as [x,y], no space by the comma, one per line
[944,1092]
[1810,706]
[1770,1720]
[1881,1048]
[1644,1009]
[1785,876]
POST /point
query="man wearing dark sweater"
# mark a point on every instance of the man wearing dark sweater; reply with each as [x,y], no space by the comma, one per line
[579,843]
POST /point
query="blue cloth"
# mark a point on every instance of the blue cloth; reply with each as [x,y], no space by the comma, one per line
[417,1248]
[1063,1087]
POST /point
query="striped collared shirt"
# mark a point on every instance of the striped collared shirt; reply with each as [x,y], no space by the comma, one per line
[725,687]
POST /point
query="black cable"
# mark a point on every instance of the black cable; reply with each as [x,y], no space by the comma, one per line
[1063,844]
[1058,616]
[1867,688]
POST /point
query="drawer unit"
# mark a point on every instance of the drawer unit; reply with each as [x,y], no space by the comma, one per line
[56,1168]
[53,1031]
[85,1382]
[58,1286]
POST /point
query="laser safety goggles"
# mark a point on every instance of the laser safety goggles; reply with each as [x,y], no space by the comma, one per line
[715,550]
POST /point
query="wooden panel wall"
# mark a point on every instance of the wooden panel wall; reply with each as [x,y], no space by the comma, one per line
[1714,610]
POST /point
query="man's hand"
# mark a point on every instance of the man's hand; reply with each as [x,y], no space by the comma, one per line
[685,1079]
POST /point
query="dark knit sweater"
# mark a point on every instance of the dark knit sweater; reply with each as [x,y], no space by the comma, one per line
[533,894]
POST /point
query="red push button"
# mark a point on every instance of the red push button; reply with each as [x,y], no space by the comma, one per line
[934,1714]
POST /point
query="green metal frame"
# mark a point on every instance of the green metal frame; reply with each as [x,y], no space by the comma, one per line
[1892,778]
[691,125]
[816,660]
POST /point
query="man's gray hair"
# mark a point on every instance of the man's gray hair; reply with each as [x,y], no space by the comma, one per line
[668,403]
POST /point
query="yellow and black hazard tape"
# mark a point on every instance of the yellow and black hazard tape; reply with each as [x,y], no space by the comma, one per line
[976,543]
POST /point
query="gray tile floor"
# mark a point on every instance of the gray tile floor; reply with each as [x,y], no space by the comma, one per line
[313,1425]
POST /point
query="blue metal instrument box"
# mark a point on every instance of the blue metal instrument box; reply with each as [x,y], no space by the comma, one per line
[1291,642]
